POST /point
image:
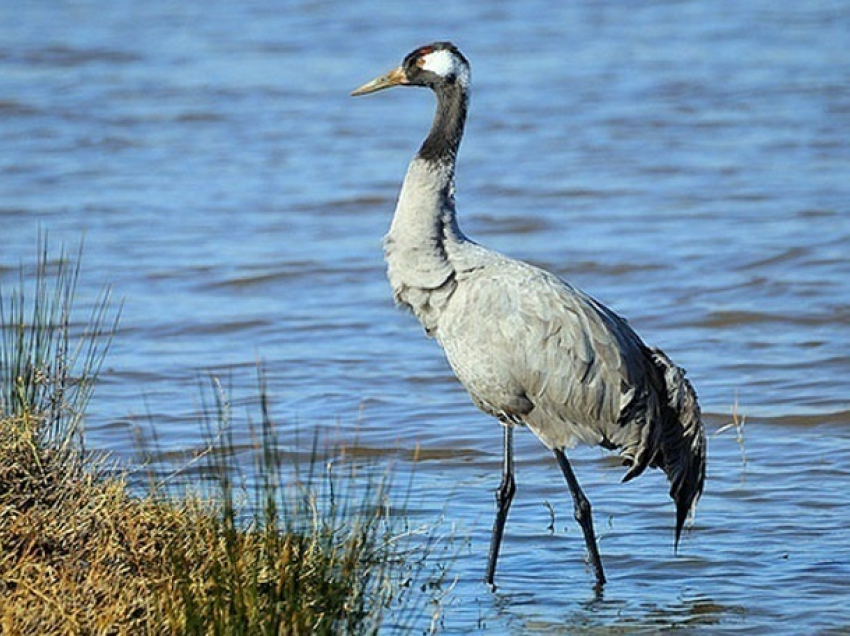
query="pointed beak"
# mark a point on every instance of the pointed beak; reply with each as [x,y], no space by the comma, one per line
[395,77]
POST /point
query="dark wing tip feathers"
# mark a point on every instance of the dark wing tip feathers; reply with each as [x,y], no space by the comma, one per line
[683,441]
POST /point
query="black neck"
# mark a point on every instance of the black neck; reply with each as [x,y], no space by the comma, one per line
[443,141]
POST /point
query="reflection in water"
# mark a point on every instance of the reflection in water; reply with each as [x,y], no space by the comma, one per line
[603,616]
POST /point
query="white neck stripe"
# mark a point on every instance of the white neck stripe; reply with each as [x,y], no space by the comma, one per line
[443,63]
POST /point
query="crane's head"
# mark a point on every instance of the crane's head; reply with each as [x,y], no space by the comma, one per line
[434,65]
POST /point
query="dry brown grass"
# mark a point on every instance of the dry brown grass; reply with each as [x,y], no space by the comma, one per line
[81,554]
[77,554]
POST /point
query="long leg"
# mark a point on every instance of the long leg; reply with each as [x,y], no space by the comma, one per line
[583,516]
[504,496]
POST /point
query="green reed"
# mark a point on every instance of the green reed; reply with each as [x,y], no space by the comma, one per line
[287,547]
[48,363]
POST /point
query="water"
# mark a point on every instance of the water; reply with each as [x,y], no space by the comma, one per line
[687,163]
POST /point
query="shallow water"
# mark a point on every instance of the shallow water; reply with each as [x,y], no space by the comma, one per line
[686,163]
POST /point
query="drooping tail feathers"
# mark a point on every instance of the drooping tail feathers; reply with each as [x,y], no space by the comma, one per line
[683,444]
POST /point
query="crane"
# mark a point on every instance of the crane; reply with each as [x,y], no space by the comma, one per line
[530,349]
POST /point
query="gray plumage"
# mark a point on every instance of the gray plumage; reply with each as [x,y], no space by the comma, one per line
[530,349]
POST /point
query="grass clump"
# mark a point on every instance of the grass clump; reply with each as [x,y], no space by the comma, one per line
[82,553]
[77,554]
